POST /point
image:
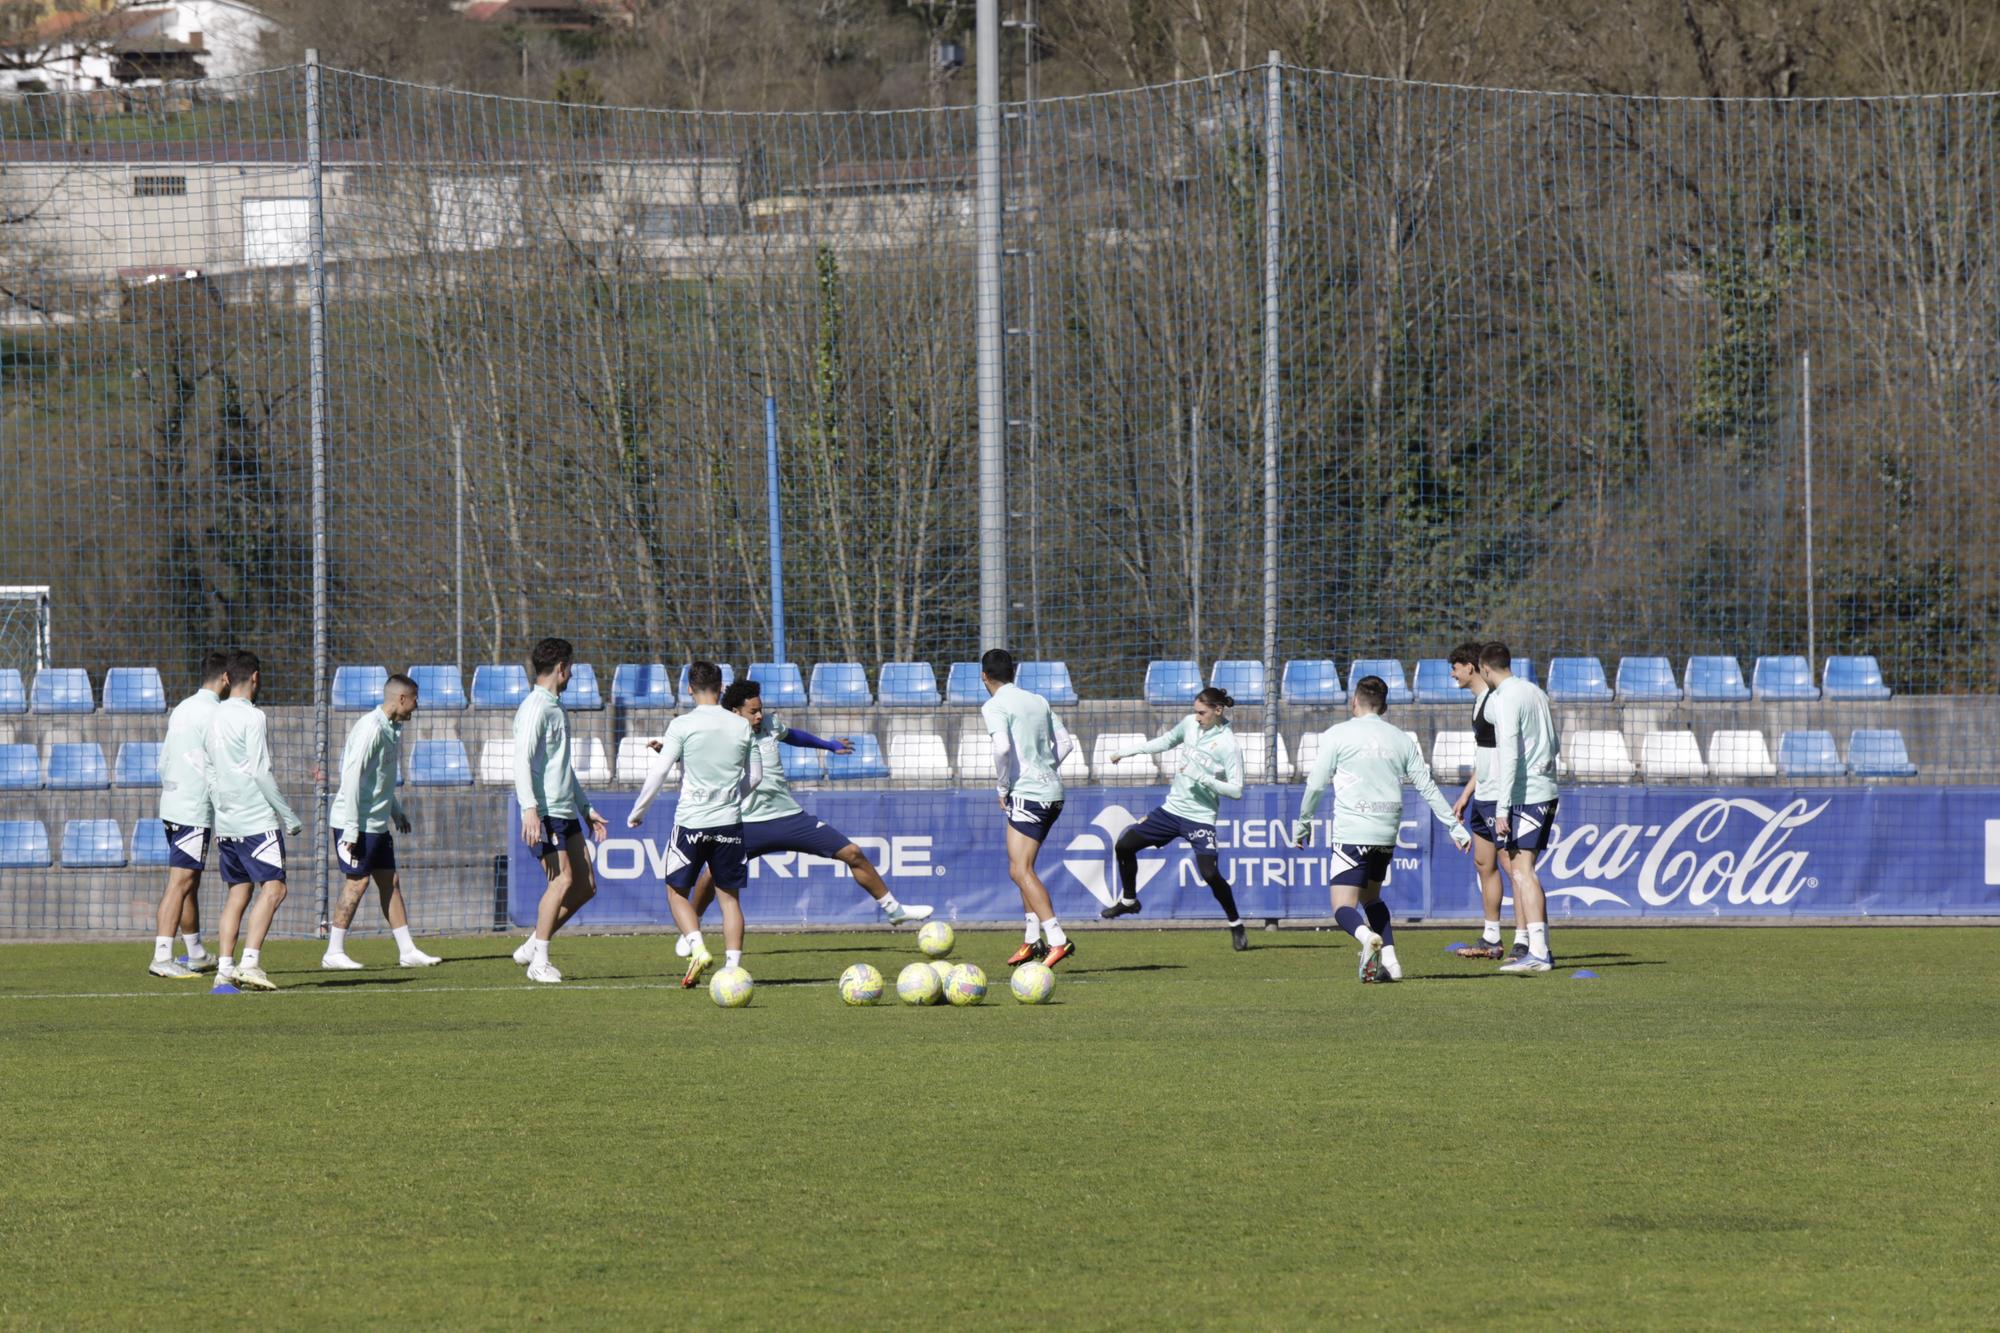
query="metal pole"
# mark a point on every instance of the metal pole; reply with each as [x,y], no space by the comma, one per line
[1032,191]
[458,543]
[1274,138]
[777,533]
[316,336]
[988,331]
[1812,616]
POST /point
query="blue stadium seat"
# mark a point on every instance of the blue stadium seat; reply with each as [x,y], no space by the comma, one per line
[1879,754]
[24,844]
[1172,684]
[1312,682]
[137,765]
[1715,680]
[1578,680]
[840,685]
[356,689]
[962,684]
[1524,667]
[782,685]
[13,695]
[1647,680]
[1809,754]
[1389,670]
[62,690]
[802,763]
[77,767]
[865,762]
[440,688]
[20,768]
[907,685]
[149,843]
[1434,684]
[134,690]
[1783,679]
[92,844]
[1048,679]
[642,685]
[1853,678]
[500,685]
[687,699]
[582,694]
[440,763]
[1242,678]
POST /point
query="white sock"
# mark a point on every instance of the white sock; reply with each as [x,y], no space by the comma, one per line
[889,903]
[251,957]
[1365,935]
[1520,934]
[1538,939]
[403,941]
[163,948]
[1389,956]
[694,942]
[1034,928]
[336,940]
[1235,924]
[732,958]
[222,963]
[1052,931]
[193,943]
[1491,935]
[540,947]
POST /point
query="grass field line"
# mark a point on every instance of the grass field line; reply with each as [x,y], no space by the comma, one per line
[363,988]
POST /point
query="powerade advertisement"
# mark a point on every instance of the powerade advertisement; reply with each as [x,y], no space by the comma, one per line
[1619,852]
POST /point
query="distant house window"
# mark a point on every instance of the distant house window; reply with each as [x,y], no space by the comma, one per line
[579,184]
[159,187]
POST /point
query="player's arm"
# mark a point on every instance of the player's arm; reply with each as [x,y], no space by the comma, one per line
[753,768]
[527,740]
[260,774]
[1316,785]
[1506,720]
[1065,742]
[396,815]
[656,776]
[1419,775]
[805,740]
[1166,740]
[1465,797]
[1229,782]
[1006,764]
[355,757]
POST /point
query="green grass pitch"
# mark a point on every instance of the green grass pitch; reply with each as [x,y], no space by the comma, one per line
[1768,1127]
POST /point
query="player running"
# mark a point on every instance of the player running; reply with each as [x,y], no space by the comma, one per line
[251,821]
[1211,767]
[1367,760]
[1477,799]
[1029,746]
[1525,748]
[188,814]
[774,821]
[554,809]
[720,767]
[364,811]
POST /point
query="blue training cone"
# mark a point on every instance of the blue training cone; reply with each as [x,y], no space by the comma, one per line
[224,988]
[1583,974]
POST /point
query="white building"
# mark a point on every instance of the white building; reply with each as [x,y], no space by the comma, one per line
[141,48]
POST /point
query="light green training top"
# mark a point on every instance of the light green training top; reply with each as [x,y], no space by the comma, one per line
[1368,759]
[543,778]
[719,763]
[1211,768]
[184,762]
[772,798]
[1028,744]
[1482,755]
[1525,745]
[247,801]
[366,802]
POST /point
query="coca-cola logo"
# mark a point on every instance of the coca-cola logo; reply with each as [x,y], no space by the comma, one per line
[1702,855]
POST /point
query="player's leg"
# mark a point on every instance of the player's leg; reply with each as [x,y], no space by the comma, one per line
[1532,828]
[1024,844]
[256,925]
[870,879]
[1356,871]
[1156,830]
[389,891]
[730,873]
[181,883]
[353,887]
[549,915]
[198,959]
[1379,921]
[698,898]
[1209,866]
[227,925]
[687,854]
[815,837]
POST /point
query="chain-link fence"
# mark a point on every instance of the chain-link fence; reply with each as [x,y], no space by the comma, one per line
[1609,378]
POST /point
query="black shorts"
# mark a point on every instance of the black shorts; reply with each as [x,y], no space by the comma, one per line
[1358,865]
[1531,827]
[556,834]
[719,849]
[257,859]
[797,832]
[187,846]
[372,852]
[1479,819]
[1160,828]
[1034,818]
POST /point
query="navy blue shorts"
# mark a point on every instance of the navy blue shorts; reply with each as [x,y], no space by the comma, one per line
[1358,865]
[375,851]
[1034,818]
[1531,827]
[1161,828]
[718,849]
[556,834]
[187,846]
[1479,819]
[798,832]
[257,859]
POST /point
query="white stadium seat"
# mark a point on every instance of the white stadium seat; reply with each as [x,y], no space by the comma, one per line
[1451,756]
[634,759]
[587,756]
[496,762]
[919,756]
[1251,744]
[1671,754]
[1740,754]
[1135,770]
[1598,756]
[975,758]
[1308,752]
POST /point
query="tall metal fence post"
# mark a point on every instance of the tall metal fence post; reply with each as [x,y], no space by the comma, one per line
[316,335]
[987,331]
[777,529]
[1274,139]
[1805,414]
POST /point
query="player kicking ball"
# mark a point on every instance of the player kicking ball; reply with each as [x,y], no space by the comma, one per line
[1211,768]
[1029,745]
[364,811]
[1367,760]
[774,822]
[251,822]
[554,809]
[717,752]
[188,816]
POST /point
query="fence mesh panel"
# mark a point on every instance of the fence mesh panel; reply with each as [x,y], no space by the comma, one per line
[1589,374]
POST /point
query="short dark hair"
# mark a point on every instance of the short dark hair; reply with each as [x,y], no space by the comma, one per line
[242,666]
[1373,692]
[1216,697]
[1496,655]
[215,666]
[399,681]
[739,692]
[704,676]
[1466,654]
[550,654]
[997,663]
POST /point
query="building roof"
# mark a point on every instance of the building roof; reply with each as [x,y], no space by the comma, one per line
[344,153]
